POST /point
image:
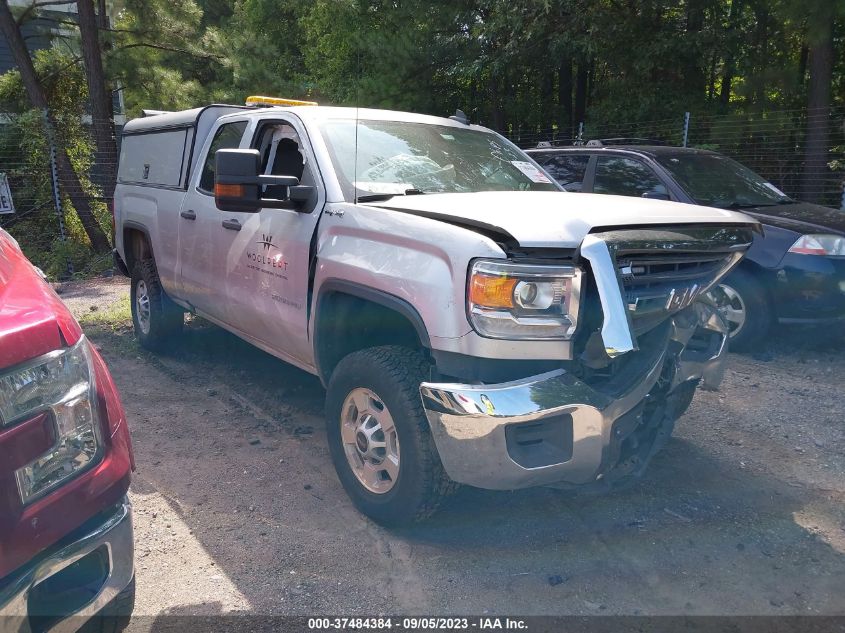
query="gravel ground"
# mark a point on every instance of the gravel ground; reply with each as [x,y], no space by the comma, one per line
[237,507]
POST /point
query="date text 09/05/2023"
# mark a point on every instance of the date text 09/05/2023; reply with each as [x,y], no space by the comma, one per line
[416,623]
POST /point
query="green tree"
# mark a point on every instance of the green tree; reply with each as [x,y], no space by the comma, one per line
[163,56]
[23,136]
[72,184]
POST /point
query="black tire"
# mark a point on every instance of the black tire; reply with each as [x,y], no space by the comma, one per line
[681,400]
[394,375]
[165,317]
[759,313]
[115,616]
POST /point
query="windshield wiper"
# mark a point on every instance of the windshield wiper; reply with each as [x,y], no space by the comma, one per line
[748,205]
[379,197]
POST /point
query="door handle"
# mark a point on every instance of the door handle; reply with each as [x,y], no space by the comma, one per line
[189,214]
[232,225]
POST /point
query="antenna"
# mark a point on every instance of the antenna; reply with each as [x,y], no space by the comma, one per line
[460,117]
[357,100]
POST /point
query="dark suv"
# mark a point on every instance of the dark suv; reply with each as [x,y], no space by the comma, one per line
[794,272]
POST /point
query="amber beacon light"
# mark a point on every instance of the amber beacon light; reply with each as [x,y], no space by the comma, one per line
[257,100]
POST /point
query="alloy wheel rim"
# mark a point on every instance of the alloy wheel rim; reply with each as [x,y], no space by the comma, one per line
[732,307]
[369,439]
[142,304]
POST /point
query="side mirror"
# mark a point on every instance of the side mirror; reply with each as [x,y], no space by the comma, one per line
[656,195]
[236,180]
[238,183]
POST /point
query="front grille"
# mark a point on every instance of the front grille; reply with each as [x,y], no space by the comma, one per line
[657,284]
[657,269]
[663,269]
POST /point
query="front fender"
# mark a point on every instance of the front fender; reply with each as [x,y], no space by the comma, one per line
[420,262]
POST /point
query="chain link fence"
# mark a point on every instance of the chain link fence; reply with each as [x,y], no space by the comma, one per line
[44,220]
[771,143]
[29,176]
[46,224]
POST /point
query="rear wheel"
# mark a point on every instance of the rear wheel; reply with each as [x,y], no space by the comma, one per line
[743,303]
[155,317]
[378,436]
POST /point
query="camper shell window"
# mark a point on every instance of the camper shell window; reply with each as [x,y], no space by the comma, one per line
[158,158]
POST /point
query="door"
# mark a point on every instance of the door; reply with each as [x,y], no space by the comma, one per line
[267,259]
[200,225]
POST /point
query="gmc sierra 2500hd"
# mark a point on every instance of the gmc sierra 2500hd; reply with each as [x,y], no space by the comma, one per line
[471,322]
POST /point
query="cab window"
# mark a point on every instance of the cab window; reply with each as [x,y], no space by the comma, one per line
[625,177]
[567,169]
[228,136]
[281,150]
[282,154]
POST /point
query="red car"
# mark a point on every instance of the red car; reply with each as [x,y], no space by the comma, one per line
[66,545]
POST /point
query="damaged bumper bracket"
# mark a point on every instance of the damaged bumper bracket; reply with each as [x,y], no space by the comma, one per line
[477,428]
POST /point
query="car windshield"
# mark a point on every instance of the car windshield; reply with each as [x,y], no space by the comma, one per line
[718,181]
[395,158]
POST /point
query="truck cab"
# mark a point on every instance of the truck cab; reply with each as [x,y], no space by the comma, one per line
[472,322]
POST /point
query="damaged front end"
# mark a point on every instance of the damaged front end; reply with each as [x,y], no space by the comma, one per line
[661,336]
[698,344]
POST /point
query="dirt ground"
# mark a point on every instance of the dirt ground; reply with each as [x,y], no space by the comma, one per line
[238,509]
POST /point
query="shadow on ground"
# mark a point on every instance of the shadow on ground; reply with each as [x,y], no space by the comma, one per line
[702,533]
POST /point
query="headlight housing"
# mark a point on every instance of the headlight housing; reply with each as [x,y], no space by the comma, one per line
[61,384]
[819,244]
[508,300]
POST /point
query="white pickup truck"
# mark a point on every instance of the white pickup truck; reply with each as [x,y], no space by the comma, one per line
[471,322]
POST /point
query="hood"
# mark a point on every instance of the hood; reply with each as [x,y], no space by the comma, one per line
[801,217]
[33,320]
[549,219]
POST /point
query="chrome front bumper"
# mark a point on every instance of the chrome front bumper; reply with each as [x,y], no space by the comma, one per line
[113,535]
[476,428]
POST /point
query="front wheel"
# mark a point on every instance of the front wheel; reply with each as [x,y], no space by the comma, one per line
[379,438]
[746,308]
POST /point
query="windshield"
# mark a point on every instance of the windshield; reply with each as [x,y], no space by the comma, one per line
[395,158]
[718,181]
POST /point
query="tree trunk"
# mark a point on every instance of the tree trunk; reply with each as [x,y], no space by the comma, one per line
[547,103]
[727,80]
[818,101]
[761,46]
[102,114]
[692,61]
[730,56]
[801,76]
[564,97]
[497,115]
[581,91]
[68,178]
[711,82]
[102,15]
